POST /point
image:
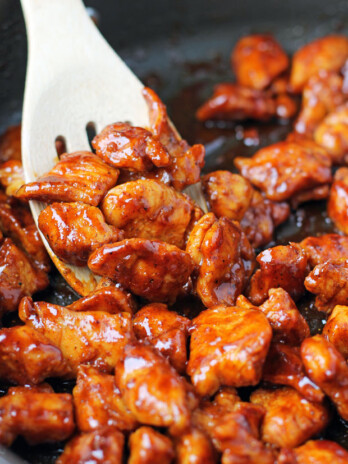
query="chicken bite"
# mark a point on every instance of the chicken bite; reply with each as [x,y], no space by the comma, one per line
[98,402]
[152,269]
[228,346]
[328,247]
[11,176]
[149,209]
[332,134]
[10,144]
[337,206]
[165,330]
[147,446]
[257,59]
[328,53]
[79,176]
[286,169]
[195,447]
[104,446]
[336,329]
[40,416]
[89,337]
[314,452]
[152,389]
[290,419]
[281,266]
[223,257]
[326,367]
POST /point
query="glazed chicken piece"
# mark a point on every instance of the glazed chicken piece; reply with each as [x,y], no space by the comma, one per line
[290,418]
[228,346]
[80,176]
[328,369]
[223,257]
[280,266]
[103,446]
[288,325]
[325,54]
[323,93]
[89,337]
[11,176]
[337,206]
[124,146]
[186,161]
[166,331]
[152,269]
[315,452]
[75,230]
[329,281]
[332,134]
[149,209]
[328,247]
[38,415]
[152,389]
[257,59]
[18,277]
[284,366]
[286,169]
[98,402]
[336,329]
[27,357]
[10,144]
[147,446]
[195,447]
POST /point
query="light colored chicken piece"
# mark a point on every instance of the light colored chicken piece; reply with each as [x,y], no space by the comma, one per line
[337,206]
[328,53]
[195,447]
[336,329]
[75,230]
[98,402]
[104,446]
[228,346]
[281,266]
[152,389]
[326,367]
[286,169]
[89,337]
[257,59]
[149,209]
[329,281]
[290,418]
[166,330]
[18,277]
[223,257]
[11,176]
[27,357]
[80,176]
[152,269]
[328,247]
[10,144]
[332,134]
[284,366]
[315,452]
[124,146]
[186,161]
[147,446]
[109,299]
[39,416]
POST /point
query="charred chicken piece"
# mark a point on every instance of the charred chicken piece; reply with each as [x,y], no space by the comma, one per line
[193,447]
[10,144]
[337,205]
[11,176]
[328,247]
[332,134]
[336,329]
[80,176]
[147,446]
[314,452]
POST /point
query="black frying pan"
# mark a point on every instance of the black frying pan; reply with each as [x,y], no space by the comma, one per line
[181,48]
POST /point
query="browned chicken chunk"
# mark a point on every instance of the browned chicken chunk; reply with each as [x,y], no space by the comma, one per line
[80,176]
[38,416]
[195,447]
[281,266]
[328,247]
[152,389]
[98,402]
[165,330]
[228,346]
[152,269]
[336,329]
[328,369]
[315,452]
[103,446]
[10,144]
[223,257]
[88,337]
[332,134]
[257,59]
[327,53]
[290,418]
[337,206]
[147,446]
[150,209]
[11,176]
[287,169]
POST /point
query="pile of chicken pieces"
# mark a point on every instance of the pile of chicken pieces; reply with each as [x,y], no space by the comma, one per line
[153,386]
